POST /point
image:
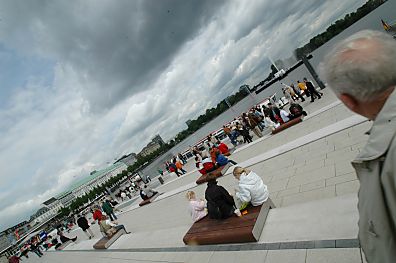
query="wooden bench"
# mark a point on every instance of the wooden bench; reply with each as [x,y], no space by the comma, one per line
[287,125]
[106,242]
[214,174]
[148,201]
[63,245]
[235,229]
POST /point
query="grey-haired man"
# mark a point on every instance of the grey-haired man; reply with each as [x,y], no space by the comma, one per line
[362,72]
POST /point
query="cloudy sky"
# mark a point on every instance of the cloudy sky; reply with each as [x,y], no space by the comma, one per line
[84,82]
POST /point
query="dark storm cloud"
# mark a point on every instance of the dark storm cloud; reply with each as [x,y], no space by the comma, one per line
[116,49]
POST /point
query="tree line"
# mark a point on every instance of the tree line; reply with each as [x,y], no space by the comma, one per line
[337,27]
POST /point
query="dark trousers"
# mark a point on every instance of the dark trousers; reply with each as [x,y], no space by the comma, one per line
[119,227]
[314,93]
[298,95]
[233,162]
[112,216]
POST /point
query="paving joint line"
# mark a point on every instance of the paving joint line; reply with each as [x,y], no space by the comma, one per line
[311,244]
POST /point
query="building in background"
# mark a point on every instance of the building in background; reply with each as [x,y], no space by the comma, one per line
[42,215]
[88,183]
[129,159]
[158,140]
[54,205]
[66,198]
[152,146]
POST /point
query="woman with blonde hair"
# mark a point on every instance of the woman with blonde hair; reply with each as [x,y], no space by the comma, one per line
[251,187]
[196,207]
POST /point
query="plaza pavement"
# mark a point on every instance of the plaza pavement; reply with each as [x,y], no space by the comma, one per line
[313,186]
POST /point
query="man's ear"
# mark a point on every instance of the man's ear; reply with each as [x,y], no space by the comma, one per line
[349,101]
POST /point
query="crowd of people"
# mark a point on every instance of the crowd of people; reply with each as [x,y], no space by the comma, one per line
[306,87]
[260,118]
[175,165]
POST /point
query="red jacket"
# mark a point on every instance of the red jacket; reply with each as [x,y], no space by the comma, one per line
[223,148]
[97,215]
[213,154]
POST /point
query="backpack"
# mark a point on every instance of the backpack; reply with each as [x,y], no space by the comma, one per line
[213,210]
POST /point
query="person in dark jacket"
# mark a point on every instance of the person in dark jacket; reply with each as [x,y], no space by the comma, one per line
[108,209]
[221,204]
[274,113]
[311,88]
[65,239]
[296,110]
[82,222]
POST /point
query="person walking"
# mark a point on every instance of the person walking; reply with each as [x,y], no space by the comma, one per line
[82,222]
[179,166]
[297,92]
[227,131]
[97,214]
[108,209]
[303,88]
[253,122]
[244,132]
[361,70]
[312,90]
[34,247]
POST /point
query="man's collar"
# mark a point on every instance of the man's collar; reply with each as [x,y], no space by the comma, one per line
[382,132]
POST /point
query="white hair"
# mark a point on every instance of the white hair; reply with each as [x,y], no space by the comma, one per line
[362,66]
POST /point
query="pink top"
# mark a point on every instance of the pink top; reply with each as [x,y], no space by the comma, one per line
[197,209]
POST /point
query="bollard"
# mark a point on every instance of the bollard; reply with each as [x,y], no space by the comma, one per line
[160,179]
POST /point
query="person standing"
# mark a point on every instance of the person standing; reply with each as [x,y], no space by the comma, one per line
[34,247]
[108,209]
[312,90]
[361,70]
[82,222]
[227,131]
[244,132]
[297,92]
[253,122]
[303,88]
[179,166]
[97,214]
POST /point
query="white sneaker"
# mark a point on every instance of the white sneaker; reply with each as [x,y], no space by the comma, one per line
[237,212]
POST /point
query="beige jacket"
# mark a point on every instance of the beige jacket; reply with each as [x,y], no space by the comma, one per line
[376,170]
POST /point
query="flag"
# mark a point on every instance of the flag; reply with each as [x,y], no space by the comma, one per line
[385,25]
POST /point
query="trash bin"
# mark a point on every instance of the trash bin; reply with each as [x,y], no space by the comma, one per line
[160,179]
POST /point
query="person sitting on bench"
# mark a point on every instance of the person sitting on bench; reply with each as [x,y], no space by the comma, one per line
[196,207]
[148,191]
[251,188]
[220,203]
[64,239]
[208,165]
[108,228]
[296,110]
[142,194]
[221,160]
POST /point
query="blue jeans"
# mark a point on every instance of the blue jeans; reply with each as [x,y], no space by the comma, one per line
[233,137]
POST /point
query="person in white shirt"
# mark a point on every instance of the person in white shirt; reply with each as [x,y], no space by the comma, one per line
[251,188]
[284,115]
